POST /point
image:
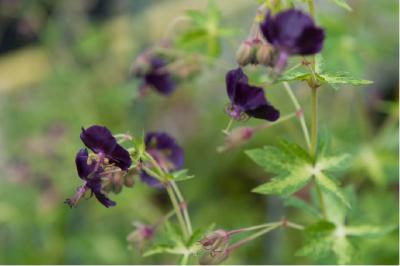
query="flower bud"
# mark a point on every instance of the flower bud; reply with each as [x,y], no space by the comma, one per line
[129,181]
[141,235]
[215,246]
[244,53]
[264,54]
[236,138]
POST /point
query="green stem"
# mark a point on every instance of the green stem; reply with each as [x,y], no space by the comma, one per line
[177,210]
[314,122]
[228,127]
[253,236]
[282,119]
[183,207]
[300,113]
[184,260]
[321,200]
[295,226]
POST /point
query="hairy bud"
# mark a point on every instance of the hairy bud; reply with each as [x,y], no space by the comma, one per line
[244,53]
[264,54]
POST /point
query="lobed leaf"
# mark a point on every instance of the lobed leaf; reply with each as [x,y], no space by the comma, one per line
[341,78]
[286,185]
[328,185]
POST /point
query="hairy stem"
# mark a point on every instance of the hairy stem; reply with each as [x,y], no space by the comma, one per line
[253,236]
[299,111]
[321,200]
[177,210]
[183,206]
[314,123]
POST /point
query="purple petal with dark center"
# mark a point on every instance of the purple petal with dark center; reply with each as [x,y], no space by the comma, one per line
[83,168]
[98,139]
[120,157]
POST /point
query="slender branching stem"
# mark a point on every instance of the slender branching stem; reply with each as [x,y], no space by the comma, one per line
[183,206]
[300,114]
[253,236]
[177,209]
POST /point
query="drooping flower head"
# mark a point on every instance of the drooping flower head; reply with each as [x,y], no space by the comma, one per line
[247,99]
[292,32]
[108,154]
[167,153]
[154,74]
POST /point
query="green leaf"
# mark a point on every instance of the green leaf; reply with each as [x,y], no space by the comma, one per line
[289,161]
[341,78]
[319,240]
[334,163]
[344,250]
[319,64]
[295,151]
[286,185]
[181,175]
[343,4]
[302,205]
[271,159]
[294,75]
[328,185]
[369,230]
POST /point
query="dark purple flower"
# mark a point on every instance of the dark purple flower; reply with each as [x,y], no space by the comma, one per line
[247,99]
[292,32]
[90,173]
[100,140]
[156,75]
[166,152]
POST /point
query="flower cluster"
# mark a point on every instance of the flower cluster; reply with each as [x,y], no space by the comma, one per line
[289,32]
[108,166]
[92,168]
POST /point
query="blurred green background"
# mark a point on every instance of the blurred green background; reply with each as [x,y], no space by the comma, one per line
[65,64]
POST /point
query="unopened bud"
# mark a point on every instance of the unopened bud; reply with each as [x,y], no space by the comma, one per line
[264,54]
[216,246]
[244,53]
[236,138]
[129,181]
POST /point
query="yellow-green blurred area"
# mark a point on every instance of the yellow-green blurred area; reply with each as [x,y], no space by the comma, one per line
[66,64]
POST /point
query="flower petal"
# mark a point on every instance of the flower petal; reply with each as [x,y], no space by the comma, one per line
[311,41]
[82,167]
[159,77]
[267,112]
[232,78]
[293,32]
[120,157]
[98,139]
[103,199]
[166,144]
